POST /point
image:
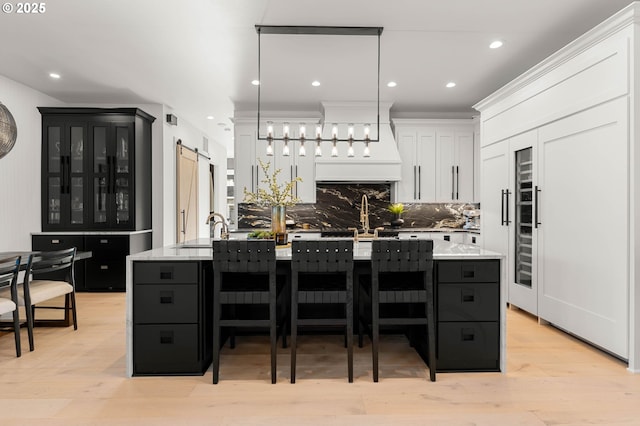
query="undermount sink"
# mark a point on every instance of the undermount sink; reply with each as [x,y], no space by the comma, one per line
[193,246]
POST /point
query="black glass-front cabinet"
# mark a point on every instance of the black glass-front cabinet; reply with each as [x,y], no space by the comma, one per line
[96,169]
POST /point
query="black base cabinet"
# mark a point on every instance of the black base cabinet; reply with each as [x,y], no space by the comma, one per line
[105,270]
[172,318]
[468,315]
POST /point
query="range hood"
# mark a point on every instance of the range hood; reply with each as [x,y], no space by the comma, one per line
[383,165]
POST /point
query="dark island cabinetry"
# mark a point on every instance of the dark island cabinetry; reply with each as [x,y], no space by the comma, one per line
[172,318]
[468,315]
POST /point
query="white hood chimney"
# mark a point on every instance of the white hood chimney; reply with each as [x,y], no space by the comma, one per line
[382,165]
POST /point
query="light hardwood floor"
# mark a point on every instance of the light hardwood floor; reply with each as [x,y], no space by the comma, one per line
[78,378]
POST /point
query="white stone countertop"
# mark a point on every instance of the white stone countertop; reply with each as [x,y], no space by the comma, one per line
[200,249]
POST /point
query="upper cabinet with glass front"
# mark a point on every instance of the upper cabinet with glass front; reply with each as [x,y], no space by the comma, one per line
[96,169]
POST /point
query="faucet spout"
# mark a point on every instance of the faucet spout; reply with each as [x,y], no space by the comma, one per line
[364,214]
[215,219]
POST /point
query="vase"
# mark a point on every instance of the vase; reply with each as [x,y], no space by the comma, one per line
[278,222]
[397,221]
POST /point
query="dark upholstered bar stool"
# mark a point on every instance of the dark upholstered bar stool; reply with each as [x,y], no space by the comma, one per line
[244,283]
[322,274]
[402,283]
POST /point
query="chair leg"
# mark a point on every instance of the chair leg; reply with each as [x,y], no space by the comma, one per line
[375,323]
[294,323]
[30,312]
[216,327]
[16,331]
[74,314]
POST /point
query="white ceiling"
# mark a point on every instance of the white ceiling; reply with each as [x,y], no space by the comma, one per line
[199,56]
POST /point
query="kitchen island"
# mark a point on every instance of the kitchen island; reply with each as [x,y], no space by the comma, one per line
[169,293]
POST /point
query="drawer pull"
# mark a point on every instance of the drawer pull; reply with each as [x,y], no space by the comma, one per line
[166,297]
[104,267]
[447,238]
[468,335]
[104,241]
[55,241]
[166,337]
[468,297]
[468,274]
[166,275]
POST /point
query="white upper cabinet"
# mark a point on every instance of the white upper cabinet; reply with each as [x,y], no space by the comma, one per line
[437,160]
[417,149]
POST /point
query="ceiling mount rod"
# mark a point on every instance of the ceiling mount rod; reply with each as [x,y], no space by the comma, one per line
[318,30]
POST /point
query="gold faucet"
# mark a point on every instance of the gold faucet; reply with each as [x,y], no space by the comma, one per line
[224,231]
[364,214]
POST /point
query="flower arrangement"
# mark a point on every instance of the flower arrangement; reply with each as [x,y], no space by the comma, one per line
[396,208]
[276,194]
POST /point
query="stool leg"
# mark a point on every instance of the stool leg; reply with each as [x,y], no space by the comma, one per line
[216,326]
[273,324]
[375,322]
[431,328]
[349,314]
[294,323]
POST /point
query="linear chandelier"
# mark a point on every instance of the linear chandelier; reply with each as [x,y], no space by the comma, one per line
[269,136]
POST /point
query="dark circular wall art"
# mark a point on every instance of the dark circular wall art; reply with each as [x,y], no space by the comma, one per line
[8,131]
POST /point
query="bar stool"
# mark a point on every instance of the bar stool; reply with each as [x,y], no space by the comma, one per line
[401,275]
[316,261]
[244,276]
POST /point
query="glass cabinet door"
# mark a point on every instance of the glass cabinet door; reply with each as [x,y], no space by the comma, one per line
[76,175]
[122,178]
[524,217]
[54,174]
[100,174]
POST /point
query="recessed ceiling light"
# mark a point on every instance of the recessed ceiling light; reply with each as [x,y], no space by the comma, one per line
[451,84]
[315,83]
[496,44]
[54,75]
[210,117]
[255,82]
[392,84]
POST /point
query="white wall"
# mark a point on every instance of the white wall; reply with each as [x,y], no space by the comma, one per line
[20,169]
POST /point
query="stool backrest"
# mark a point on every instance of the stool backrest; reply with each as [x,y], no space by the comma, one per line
[334,255]
[401,255]
[244,255]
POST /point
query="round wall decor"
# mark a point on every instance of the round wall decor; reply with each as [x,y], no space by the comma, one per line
[8,131]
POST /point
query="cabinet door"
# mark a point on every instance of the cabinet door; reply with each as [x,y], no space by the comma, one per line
[494,180]
[64,181]
[122,176]
[99,175]
[426,162]
[244,172]
[407,187]
[445,165]
[464,166]
[584,177]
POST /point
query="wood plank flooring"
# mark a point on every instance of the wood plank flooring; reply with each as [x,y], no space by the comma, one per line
[78,378]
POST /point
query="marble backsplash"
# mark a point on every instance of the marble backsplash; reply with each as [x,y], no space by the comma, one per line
[338,206]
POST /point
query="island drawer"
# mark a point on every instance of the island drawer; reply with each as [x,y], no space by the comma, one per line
[165,272]
[468,302]
[452,271]
[165,303]
[166,349]
[468,346]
